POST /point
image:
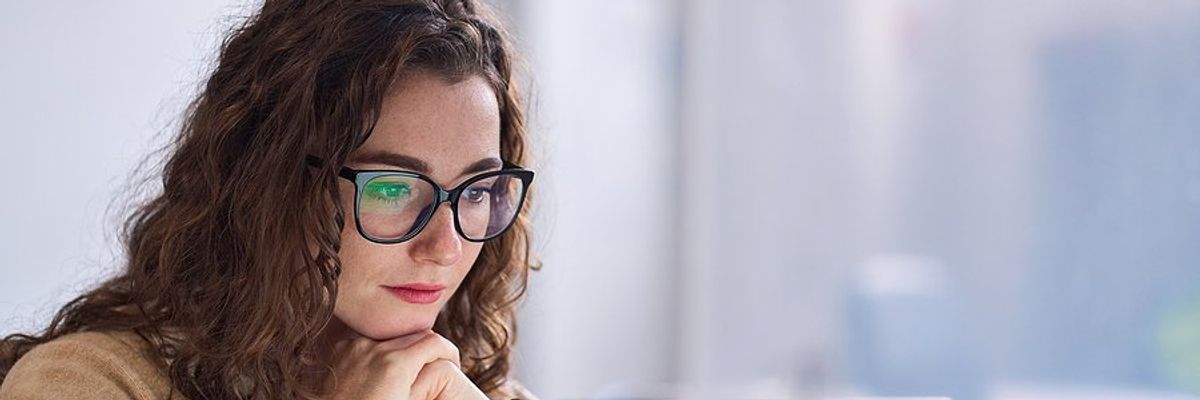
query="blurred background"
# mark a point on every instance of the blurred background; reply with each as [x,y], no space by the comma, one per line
[744,199]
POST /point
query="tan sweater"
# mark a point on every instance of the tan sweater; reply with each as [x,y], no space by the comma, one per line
[104,366]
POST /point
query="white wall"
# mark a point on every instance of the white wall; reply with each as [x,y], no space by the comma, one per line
[601,315]
[85,87]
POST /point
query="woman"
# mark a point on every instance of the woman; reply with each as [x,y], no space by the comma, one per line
[300,247]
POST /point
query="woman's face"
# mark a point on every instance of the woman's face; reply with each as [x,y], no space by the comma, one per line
[448,132]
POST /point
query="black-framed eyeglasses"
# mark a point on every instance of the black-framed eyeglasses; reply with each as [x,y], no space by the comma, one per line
[392,206]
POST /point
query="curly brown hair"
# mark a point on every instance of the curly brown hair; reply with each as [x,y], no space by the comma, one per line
[232,269]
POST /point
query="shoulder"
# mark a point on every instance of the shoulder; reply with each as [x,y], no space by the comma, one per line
[97,365]
[512,389]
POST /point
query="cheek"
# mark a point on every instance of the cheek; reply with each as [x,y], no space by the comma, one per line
[354,248]
[357,254]
[353,256]
[348,219]
[471,253]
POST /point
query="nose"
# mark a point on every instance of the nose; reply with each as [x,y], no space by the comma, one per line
[438,243]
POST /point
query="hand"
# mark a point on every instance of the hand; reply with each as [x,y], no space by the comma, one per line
[420,366]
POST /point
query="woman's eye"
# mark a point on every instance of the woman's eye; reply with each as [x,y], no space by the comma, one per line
[389,192]
[476,195]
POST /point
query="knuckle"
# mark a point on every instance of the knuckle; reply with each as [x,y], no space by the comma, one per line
[437,344]
[361,343]
[449,346]
[445,366]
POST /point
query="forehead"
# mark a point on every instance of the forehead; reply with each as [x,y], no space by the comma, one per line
[448,125]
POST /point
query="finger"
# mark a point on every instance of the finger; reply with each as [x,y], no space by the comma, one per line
[433,380]
[432,347]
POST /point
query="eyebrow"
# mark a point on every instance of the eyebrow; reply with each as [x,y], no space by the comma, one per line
[411,163]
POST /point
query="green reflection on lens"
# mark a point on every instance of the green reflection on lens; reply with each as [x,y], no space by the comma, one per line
[388,192]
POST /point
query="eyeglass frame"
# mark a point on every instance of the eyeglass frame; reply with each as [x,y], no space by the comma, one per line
[360,177]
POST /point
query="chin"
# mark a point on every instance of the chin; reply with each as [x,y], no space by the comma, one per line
[397,329]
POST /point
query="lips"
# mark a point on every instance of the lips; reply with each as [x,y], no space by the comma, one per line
[417,293]
[419,286]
